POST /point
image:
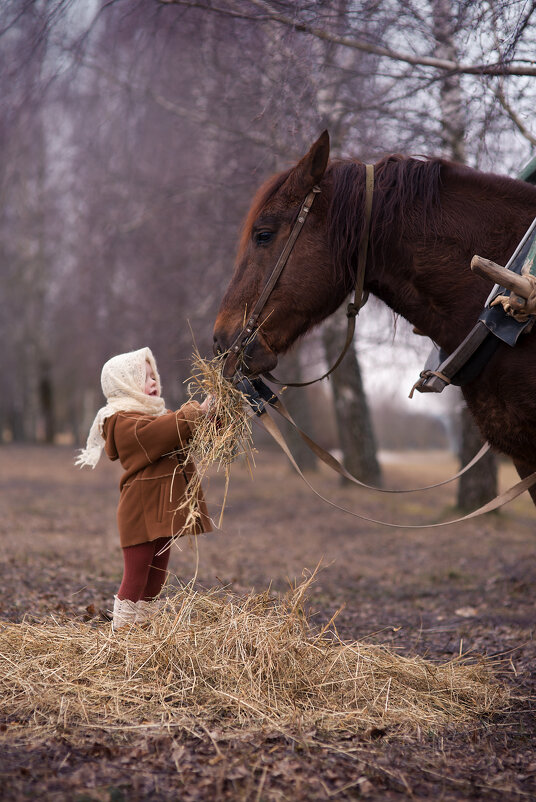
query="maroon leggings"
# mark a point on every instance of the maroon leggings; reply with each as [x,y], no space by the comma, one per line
[145,571]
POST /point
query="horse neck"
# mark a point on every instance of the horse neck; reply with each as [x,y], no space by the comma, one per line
[420,254]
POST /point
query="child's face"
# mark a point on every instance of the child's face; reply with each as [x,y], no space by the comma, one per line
[150,381]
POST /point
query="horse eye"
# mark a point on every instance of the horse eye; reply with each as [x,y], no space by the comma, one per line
[262,237]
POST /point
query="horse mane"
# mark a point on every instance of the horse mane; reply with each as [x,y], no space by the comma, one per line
[398,182]
[407,200]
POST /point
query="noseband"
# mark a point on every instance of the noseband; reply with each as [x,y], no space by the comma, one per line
[360,298]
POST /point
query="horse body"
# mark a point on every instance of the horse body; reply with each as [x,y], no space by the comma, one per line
[429,218]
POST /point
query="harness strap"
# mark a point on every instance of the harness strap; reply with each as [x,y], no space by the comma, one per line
[335,465]
[446,371]
[350,330]
[269,425]
[360,298]
[246,332]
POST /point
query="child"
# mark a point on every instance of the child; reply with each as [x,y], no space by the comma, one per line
[136,428]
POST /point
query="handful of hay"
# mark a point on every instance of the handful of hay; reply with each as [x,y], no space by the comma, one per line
[226,432]
[215,659]
[218,438]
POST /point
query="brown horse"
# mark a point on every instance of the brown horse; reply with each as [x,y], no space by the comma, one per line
[429,217]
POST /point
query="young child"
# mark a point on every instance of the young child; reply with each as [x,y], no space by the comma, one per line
[136,428]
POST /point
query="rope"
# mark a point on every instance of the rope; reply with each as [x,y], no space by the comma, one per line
[268,424]
[520,308]
[335,465]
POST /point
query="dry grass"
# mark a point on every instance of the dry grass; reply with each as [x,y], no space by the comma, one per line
[219,438]
[215,659]
[226,433]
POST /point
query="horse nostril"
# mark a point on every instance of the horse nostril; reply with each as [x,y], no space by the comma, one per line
[216,348]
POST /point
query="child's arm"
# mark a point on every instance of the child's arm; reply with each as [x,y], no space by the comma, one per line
[144,439]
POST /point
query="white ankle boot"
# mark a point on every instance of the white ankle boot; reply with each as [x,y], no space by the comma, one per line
[125,612]
[147,609]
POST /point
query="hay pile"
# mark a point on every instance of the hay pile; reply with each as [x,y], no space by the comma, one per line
[214,659]
[218,438]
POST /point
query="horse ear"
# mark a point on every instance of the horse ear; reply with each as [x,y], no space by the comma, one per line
[311,168]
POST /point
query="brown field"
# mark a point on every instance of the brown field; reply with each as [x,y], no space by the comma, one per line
[465,589]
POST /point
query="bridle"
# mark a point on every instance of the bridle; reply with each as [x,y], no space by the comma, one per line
[249,330]
[242,339]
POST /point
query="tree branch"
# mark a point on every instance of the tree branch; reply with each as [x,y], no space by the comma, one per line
[519,67]
[501,97]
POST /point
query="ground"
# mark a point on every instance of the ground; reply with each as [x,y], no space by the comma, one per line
[468,588]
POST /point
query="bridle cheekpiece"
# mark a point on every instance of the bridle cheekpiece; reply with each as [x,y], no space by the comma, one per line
[242,339]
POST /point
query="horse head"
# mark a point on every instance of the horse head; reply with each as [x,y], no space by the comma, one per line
[300,297]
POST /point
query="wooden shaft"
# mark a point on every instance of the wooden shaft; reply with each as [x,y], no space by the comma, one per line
[501,275]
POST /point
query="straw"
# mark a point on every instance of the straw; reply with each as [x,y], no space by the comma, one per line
[212,658]
[218,438]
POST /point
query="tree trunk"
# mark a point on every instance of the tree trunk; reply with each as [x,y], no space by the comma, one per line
[451,101]
[479,485]
[46,403]
[297,401]
[354,423]
[16,421]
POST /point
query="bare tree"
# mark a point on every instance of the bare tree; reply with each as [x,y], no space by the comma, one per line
[134,136]
[480,484]
[316,19]
[497,42]
[25,248]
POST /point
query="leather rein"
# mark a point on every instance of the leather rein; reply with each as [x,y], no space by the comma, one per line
[248,332]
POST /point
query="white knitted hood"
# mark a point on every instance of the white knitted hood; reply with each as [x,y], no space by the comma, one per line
[123,384]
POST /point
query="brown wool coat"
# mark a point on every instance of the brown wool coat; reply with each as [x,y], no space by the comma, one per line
[145,446]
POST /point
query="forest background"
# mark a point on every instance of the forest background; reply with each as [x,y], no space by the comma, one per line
[133,135]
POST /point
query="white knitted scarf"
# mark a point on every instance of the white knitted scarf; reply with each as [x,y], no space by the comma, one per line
[123,384]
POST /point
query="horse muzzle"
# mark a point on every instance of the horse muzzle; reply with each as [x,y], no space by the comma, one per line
[252,359]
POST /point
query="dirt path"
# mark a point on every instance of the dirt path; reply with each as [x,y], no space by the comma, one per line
[435,593]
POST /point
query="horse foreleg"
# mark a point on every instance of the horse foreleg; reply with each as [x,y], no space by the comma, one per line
[524,469]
